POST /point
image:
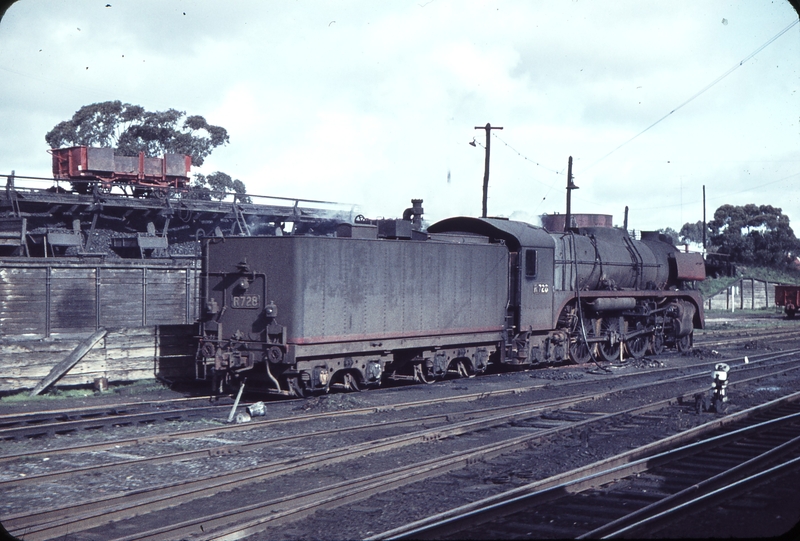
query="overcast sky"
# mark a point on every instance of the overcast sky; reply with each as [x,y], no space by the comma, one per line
[375,103]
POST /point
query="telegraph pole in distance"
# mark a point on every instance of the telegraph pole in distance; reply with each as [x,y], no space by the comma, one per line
[488,129]
[704,216]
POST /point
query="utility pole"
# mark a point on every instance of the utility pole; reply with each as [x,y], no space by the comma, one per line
[570,186]
[704,218]
[488,129]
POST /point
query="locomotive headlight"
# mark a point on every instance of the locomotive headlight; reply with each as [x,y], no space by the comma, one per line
[243,284]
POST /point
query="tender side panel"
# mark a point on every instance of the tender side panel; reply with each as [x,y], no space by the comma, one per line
[356,289]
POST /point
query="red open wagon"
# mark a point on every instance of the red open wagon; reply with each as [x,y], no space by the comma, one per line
[87,167]
[788,297]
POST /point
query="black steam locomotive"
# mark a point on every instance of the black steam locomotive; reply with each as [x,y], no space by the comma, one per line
[383,300]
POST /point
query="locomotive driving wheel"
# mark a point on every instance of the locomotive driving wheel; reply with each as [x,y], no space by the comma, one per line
[637,346]
[608,350]
[684,343]
[580,350]
[657,343]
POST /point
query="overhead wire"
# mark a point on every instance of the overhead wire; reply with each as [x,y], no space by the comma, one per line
[726,195]
[700,92]
[520,154]
[686,102]
[534,162]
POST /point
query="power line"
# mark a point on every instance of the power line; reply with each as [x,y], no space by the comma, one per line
[703,90]
[521,155]
[724,196]
[548,186]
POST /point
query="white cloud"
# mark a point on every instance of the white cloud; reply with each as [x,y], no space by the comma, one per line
[375,103]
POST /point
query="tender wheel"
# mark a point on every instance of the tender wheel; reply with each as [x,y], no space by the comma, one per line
[419,374]
[685,343]
[637,346]
[463,369]
[608,351]
[351,383]
[296,388]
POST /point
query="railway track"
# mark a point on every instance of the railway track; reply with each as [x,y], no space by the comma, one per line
[65,421]
[221,430]
[748,336]
[636,494]
[100,511]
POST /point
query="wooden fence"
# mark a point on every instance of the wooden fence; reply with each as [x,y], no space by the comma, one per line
[48,307]
[744,294]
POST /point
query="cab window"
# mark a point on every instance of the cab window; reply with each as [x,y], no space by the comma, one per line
[530,263]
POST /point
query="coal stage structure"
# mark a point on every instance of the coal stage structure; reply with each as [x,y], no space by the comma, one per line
[72,264]
[57,222]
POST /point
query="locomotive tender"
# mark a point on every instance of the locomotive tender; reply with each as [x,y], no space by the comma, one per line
[302,314]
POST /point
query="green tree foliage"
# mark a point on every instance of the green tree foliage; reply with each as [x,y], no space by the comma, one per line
[692,233]
[671,233]
[217,185]
[131,129]
[753,234]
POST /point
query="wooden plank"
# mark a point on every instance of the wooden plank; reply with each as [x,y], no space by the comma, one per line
[61,368]
[126,354]
[23,310]
[73,301]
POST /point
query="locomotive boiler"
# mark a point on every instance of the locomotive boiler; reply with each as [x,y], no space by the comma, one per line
[299,314]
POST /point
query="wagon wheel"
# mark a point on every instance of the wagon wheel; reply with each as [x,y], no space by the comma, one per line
[637,346]
[579,350]
[685,343]
[607,350]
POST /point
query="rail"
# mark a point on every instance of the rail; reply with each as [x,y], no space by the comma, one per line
[52,523]
[597,474]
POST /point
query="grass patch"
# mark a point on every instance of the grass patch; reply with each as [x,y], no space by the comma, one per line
[84,391]
[52,394]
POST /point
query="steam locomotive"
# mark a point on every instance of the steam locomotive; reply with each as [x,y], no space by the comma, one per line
[383,300]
